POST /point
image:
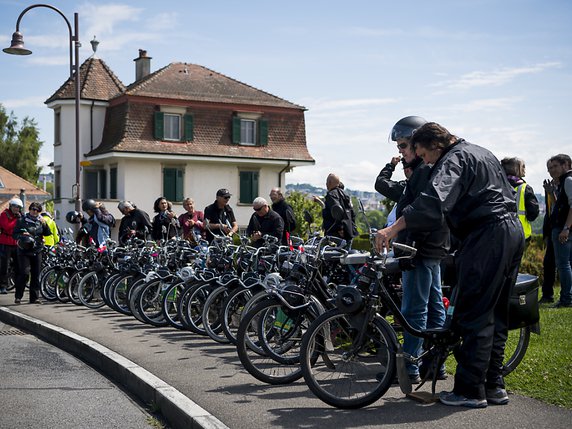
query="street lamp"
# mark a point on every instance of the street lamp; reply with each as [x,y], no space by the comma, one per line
[17,48]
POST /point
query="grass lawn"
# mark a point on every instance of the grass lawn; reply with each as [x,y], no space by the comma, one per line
[545,373]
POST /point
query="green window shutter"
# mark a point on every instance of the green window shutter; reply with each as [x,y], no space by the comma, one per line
[179,185]
[113,183]
[248,186]
[159,130]
[188,128]
[169,183]
[263,132]
[236,130]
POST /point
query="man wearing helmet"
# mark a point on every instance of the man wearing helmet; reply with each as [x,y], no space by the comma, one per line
[135,222]
[469,189]
[8,219]
[99,223]
[29,234]
[422,303]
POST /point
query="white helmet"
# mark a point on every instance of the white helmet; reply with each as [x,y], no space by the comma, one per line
[16,202]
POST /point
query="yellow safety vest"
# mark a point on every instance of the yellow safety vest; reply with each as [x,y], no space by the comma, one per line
[522,211]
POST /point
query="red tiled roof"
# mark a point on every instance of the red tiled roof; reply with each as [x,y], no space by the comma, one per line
[129,128]
[97,82]
[12,184]
[192,82]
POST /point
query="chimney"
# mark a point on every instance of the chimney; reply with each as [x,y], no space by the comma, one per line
[142,65]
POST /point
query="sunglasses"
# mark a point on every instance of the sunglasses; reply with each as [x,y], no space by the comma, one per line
[402,145]
[227,198]
[258,209]
[34,210]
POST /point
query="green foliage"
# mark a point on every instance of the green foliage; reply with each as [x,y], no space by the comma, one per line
[19,146]
[301,202]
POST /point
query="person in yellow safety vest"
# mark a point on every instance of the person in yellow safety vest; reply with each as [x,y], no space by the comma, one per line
[526,202]
[51,240]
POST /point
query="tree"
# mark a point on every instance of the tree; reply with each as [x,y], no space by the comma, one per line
[301,202]
[19,146]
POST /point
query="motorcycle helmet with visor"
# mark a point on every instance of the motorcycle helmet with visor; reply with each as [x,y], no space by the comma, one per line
[405,127]
[16,202]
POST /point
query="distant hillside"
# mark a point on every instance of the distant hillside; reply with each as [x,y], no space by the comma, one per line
[311,189]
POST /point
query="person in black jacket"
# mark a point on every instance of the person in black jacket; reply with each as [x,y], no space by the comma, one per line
[286,212]
[422,303]
[135,222]
[549,262]
[220,216]
[560,224]
[346,227]
[165,224]
[99,223]
[392,189]
[264,221]
[29,234]
[468,188]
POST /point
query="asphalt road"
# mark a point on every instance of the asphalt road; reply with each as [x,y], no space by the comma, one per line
[210,374]
[43,387]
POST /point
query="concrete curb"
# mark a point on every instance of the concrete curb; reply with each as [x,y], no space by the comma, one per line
[178,410]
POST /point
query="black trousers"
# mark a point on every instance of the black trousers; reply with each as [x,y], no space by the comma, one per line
[29,265]
[487,267]
[8,255]
[549,271]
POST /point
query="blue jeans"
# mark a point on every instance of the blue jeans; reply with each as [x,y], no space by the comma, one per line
[563,257]
[422,304]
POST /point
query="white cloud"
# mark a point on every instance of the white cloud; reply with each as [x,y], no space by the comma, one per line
[487,104]
[36,101]
[495,77]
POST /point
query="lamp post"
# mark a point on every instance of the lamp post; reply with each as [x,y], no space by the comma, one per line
[17,48]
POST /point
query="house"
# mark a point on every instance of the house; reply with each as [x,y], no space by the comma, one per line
[181,131]
[13,186]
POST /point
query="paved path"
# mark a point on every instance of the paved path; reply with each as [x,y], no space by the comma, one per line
[209,375]
[42,387]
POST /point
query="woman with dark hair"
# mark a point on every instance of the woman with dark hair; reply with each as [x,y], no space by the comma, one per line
[29,234]
[165,223]
[468,188]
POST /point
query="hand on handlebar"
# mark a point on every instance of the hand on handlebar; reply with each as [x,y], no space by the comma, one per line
[383,239]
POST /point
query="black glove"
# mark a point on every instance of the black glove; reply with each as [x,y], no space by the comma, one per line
[406,264]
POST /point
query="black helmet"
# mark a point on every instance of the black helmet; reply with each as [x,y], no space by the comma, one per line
[404,128]
[73,217]
[26,242]
[88,205]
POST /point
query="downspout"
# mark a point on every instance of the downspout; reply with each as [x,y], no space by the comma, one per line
[91,126]
[280,174]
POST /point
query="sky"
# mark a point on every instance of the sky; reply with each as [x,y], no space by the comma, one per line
[497,73]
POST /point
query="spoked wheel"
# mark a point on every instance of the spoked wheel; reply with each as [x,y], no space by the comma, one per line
[350,373]
[268,341]
[90,290]
[515,349]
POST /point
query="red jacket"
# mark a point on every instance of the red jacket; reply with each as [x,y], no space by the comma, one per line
[7,224]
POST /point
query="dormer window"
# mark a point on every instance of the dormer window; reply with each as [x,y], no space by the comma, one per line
[172,125]
[249,129]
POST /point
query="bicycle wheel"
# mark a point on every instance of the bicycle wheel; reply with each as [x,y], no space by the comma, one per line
[62,285]
[169,303]
[48,284]
[350,373]
[268,346]
[149,300]
[73,285]
[191,307]
[213,313]
[233,309]
[515,349]
[90,289]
